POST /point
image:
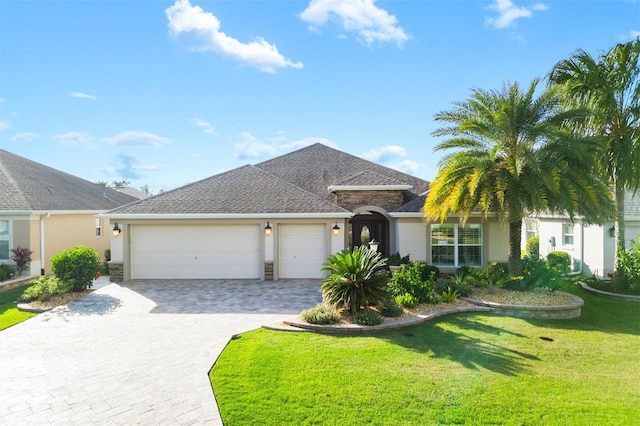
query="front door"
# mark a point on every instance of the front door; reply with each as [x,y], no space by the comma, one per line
[368,227]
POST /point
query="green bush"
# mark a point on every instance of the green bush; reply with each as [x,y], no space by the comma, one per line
[390,308]
[429,271]
[105,265]
[367,317]
[7,272]
[43,288]
[321,314]
[539,274]
[560,260]
[396,260]
[410,280]
[407,300]
[533,247]
[458,282]
[77,266]
[627,275]
[356,278]
[450,295]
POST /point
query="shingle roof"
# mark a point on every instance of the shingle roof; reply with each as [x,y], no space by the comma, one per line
[316,167]
[367,177]
[413,206]
[632,203]
[245,190]
[30,186]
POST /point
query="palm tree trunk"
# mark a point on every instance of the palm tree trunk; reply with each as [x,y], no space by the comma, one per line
[619,224]
[515,242]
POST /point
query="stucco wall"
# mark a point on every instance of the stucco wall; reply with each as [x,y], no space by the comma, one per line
[496,242]
[411,238]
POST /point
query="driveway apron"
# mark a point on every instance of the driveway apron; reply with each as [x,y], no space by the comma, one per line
[135,353]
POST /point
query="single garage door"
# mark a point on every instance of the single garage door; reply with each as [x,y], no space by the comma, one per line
[302,250]
[195,252]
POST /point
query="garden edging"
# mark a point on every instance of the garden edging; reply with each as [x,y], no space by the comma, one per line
[569,310]
[608,294]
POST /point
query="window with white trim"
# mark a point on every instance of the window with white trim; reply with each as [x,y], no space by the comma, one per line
[98,227]
[531,228]
[567,234]
[4,240]
[456,245]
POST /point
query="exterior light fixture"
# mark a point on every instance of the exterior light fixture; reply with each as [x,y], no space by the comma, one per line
[336,230]
[612,231]
[373,245]
[116,230]
[267,229]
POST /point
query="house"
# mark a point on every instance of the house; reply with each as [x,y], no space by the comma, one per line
[131,192]
[49,211]
[592,247]
[281,219]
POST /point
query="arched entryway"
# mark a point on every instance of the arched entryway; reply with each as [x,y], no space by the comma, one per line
[367,226]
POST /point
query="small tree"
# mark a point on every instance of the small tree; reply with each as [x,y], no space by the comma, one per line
[22,256]
[533,247]
[77,266]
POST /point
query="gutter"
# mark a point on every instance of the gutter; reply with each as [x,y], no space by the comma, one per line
[133,216]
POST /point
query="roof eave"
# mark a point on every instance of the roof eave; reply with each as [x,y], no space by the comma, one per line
[132,216]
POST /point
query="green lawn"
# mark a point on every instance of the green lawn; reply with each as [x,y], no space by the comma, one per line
[461,369]
[9,313]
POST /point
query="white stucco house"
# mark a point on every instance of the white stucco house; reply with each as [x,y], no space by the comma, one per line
[592,247]
[281,218]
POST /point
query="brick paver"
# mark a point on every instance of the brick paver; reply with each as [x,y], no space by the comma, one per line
[137,353]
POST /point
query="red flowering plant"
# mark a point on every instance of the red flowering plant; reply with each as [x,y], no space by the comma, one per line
[22,256]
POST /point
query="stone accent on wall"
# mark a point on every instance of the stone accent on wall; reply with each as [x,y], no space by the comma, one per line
[116,271]
[268,271]
[351,200]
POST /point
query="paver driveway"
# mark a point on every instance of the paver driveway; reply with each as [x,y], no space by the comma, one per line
[136,353]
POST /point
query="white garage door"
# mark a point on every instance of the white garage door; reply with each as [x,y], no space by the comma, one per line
[195,252]
[302,251]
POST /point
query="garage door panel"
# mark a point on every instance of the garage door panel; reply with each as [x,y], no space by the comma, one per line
[302,250]
[195,252]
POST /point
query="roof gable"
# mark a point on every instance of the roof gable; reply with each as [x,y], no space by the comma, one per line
[30,186]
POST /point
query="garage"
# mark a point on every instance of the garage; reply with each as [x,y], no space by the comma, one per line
[195,252]
[302,250]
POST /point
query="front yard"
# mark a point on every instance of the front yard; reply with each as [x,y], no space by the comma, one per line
[460,369]
[9,313]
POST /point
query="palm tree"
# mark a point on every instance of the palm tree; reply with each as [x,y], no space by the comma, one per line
[609,86]
[510,155]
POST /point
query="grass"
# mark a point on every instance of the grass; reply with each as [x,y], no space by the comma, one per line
[461,369]
[9,313]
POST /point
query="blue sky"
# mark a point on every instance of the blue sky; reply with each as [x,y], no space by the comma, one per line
[163,93]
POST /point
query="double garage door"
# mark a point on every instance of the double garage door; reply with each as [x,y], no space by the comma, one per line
[223,252]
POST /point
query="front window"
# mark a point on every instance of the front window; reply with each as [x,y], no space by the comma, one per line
[4,240]
[456,245]
[531,229]
[98,227]
[567,234]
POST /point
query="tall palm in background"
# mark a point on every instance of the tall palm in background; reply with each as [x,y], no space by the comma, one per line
[510,155]
[609,86]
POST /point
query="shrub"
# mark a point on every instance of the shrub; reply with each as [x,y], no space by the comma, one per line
[22,257]
[458,282]
[627,274]
[496,275]
[450,295]
[367,317]
[390,308]
[407,300]
[105,265]
[321,314]
[356,278]
[396,260]
[430,270]
[560,260]
[539,273]
[410,281]
[533,247]
[77,266]
[7,272]
[43,288]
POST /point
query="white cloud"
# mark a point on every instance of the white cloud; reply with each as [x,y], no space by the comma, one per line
[385,153]
[25,136]
[371,23]
[184,18]
[137,138]
[252,147]
[82,95]
[4,125]
[2,100]
[407,166]
[508,13]
[73,138]
[204,125]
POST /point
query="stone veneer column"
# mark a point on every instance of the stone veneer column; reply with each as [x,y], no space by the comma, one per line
[116,271]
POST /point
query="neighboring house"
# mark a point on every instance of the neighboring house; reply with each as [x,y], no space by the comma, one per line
[592,247]
[131,192]
[49,211]
[281,219]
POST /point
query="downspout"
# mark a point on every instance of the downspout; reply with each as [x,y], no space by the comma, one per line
[581,248]
[42,258]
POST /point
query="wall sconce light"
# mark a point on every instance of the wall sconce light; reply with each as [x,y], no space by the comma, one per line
[373,245]
[267,229]
[116,230]
[336,230]
[612,231]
